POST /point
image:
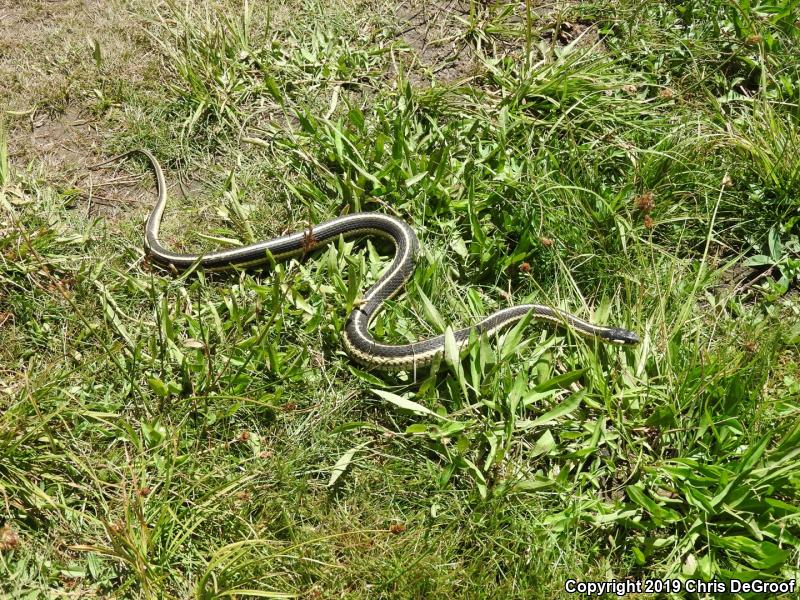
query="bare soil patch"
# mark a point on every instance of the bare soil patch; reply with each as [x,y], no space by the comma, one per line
[438,33]
[432,31]
[50,78]
[66,146]
[561,24]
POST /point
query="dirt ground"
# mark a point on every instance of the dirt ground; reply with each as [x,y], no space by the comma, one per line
[57,58]
[60,61]
[435,32]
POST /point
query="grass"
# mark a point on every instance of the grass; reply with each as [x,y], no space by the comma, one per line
[633,162]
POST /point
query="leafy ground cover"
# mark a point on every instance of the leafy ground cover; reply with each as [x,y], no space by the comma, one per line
[634,162]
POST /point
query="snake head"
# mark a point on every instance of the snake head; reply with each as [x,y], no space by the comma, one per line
[617,335]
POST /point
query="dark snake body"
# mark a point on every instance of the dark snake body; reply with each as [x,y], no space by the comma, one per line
[357,338]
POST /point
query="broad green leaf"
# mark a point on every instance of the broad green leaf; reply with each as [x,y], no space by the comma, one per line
[617,515]
[356,425]
[561,381]
[416,179]
[459,247]
[451,428]
[431,313]
[406,404]
[758,260]
[534,397]
[158,386]
[565,408]
[242,592]
[419,428]
[480,480]
[543,445]
[775,246]
[96,52]
[659,514]
[494,441]
[512,340]
[343,462]
[365,376]
[753,455]
[154,433]
[530,485]
[273,88]
[743,468]
[761,555]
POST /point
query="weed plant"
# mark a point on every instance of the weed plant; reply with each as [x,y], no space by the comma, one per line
[633,162]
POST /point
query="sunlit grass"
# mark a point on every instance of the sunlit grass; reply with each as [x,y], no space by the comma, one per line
[207,435]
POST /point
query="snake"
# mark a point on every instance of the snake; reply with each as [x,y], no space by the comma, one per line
[358,340]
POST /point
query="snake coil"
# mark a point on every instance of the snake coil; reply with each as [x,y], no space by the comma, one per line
[358,340]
